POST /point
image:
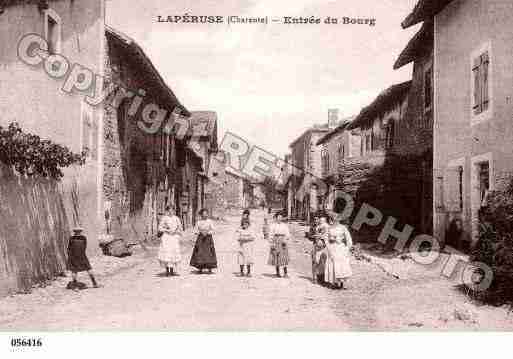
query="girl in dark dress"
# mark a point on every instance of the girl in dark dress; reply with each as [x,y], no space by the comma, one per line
[204,252]
[77,258]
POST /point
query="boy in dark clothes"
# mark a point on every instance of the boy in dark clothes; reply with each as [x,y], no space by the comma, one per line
[77,259]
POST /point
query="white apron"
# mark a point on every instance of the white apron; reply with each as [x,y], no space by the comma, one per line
[169,252]
[338,266]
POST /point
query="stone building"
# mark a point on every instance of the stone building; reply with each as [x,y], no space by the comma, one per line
[306,173]
[336,146]
[200,147]
[129,171]
[227,191]
[147,169]
[473,73]
[415,134]
[382,176]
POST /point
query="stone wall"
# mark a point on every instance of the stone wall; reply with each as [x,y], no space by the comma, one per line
[390,183]
[223,193]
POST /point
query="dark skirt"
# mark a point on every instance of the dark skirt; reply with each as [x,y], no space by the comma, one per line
[77,258]
[204,253]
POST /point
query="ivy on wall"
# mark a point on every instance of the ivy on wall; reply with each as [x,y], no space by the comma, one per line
[30,155]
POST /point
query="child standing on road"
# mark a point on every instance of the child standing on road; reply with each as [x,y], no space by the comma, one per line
[77,259]
[245,216]
[245,237]
[266,228]
[278,250]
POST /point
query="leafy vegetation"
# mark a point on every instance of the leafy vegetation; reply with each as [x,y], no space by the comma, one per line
[495,245]
[30,155]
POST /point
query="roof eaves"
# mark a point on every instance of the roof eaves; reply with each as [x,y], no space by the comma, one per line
[134,47]
[422,40]
[423,10]
[382,103]
[333,133]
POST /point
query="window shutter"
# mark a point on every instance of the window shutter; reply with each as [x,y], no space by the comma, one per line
[485,59]
[452,189]
[477,85]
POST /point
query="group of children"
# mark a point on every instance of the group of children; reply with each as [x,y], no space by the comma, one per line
[204,254]
[331,245]
[277,234]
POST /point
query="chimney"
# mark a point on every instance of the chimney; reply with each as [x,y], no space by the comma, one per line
[332,118]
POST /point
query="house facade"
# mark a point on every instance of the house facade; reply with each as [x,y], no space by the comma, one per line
[35,96]
[74,29]
[473,73]
[227,190]
[306,173]
[415,133]
[383,175]
[336,146]
[199,148]
[129,174]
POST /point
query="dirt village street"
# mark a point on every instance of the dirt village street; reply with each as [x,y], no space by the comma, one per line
[136,296]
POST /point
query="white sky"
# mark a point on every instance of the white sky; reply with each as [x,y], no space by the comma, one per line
[268,83]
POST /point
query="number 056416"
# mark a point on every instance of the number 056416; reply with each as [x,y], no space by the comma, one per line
[26,342]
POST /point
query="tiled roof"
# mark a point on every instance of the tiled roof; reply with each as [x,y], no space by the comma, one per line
[314,128]
[425,9]
[384,102]
[418,45]
[134,51]
[341,127]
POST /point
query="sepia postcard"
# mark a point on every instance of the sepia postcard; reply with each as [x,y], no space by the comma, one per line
[255,166]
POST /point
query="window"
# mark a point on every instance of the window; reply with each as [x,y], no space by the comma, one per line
[484,182]
[454,186]
[439,193]
[428,89]
[374,140]
[368,142]
[53,31]
[480,75]
[481,84]
[390,132]
[325,161]
[341,152]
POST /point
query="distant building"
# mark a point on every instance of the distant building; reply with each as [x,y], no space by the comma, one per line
[336,146]
[227,190]
[200,148]
[306,173]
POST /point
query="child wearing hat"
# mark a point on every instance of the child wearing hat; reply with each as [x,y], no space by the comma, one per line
[77,258]
[245,237]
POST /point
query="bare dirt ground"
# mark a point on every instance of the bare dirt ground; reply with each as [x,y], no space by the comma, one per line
[135,296]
